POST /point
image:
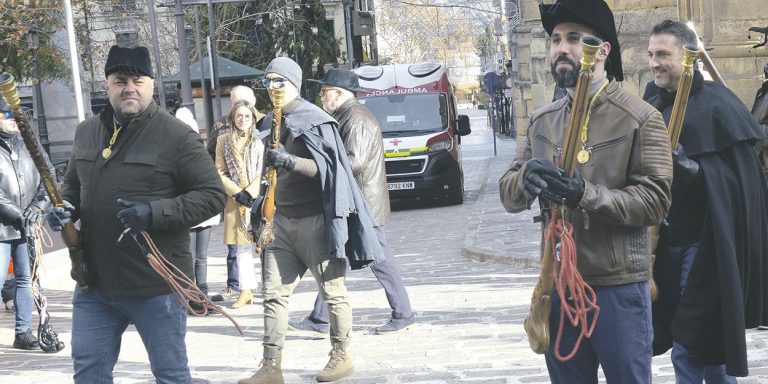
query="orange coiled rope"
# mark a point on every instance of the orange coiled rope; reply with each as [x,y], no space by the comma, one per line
[177,280]
[580,298]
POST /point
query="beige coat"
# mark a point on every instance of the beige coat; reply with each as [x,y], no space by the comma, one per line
[234,226]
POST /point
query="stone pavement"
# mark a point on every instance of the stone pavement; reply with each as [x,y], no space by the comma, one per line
[469,313]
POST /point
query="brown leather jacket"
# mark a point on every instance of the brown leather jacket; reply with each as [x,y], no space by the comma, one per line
[360,131]
[627,182]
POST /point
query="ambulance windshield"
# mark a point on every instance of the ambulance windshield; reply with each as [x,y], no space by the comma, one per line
[409,114]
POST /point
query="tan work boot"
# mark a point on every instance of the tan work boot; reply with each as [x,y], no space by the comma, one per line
[339,366]
[269,373]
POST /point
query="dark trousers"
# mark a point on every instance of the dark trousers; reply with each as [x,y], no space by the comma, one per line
[620,343]
[233,277]
[198,245]
[388,274]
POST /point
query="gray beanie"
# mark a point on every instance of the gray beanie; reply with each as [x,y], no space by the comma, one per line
[287,68]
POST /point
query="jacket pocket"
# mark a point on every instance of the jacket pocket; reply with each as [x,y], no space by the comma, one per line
[138,172]
[544,148]
[85,161]
[608,162]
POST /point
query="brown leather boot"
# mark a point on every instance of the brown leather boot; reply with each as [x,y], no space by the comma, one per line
[269,373]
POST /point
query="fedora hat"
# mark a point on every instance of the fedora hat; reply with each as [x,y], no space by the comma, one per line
[592,13]
[341,78]
[128,60]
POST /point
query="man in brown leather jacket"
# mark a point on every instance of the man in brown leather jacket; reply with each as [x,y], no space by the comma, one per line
[361,133]
[620,189]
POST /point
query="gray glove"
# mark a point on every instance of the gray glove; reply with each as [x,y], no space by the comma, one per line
[280,159]
[32,215]
[61,216]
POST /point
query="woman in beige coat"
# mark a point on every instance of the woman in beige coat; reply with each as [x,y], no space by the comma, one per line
[239,160]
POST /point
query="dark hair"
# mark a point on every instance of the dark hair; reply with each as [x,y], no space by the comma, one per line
[684,35]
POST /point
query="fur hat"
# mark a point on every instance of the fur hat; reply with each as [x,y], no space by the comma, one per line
[287,68]
[129,60]
[592,13]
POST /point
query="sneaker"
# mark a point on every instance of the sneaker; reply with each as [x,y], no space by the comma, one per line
[319,330]
[8,305]
[26,340]
[339,366]
[226,293]
[396,325]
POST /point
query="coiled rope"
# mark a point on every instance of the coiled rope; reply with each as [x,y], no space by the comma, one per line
[178,281]
[577,298]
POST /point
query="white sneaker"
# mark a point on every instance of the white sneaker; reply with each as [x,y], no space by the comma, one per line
[8,305]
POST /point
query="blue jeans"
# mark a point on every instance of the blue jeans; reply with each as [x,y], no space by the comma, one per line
[687,370]
[98,324]
[388,274]
[621,342]
[22,271]
[233,277]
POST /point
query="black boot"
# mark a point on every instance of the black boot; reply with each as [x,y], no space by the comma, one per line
[198,307]
[26,340]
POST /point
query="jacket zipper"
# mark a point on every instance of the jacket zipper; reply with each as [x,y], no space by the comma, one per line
[606,144]
[552,145]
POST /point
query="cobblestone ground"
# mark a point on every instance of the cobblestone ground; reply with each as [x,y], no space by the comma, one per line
[469,312]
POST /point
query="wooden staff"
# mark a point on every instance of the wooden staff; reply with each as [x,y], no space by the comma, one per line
[536,324]
[266,232]
[69,234]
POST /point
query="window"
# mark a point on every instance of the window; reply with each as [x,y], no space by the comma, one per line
[124,5]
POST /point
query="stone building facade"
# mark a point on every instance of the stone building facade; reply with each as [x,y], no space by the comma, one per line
[722,25]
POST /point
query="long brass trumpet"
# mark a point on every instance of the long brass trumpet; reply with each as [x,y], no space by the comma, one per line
[675,125]
[536,324]
[69,234]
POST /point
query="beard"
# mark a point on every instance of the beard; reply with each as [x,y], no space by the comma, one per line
[566,78]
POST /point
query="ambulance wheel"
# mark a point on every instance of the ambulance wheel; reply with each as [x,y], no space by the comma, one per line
[457,195]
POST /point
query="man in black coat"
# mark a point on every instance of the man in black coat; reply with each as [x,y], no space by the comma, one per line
[134,166]
[710,264]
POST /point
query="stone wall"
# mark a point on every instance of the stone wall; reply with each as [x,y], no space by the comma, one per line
[723,30]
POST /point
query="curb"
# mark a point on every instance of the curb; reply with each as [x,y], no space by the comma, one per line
[486,256]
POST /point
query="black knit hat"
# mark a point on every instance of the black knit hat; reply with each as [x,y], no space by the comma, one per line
[133,61]
[594,14]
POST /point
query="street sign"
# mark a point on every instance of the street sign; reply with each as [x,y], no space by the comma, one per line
[508,93]
[491,80]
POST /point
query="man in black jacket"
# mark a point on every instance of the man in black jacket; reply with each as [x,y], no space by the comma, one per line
[134,166]
[360,131]
[710,265]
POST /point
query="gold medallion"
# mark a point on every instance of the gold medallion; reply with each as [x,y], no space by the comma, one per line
[582,156]
[106,153]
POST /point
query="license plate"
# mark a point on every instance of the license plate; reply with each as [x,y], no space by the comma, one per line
[401,185]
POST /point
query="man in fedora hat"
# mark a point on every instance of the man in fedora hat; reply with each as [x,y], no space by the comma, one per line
[134,166]
[621,186]
[321,223]
[361,133]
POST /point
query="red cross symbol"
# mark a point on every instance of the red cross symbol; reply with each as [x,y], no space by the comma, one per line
[395,141]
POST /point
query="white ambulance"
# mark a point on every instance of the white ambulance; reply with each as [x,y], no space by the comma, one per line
[421,127]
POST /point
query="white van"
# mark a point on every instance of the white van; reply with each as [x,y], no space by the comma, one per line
[421,127]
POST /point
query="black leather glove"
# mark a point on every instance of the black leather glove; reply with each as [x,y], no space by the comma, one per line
[533,183]
[60,216]
[136,215]
[244,198]
[281,159]
[563,189]
[684,169]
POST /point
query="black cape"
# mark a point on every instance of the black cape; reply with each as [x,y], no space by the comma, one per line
[726,288]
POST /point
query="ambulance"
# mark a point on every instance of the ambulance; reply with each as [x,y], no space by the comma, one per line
[421,128]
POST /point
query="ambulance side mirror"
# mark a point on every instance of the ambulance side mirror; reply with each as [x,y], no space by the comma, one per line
[462,125]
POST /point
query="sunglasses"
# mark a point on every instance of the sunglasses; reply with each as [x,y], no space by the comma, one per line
[278,82]
[8,115]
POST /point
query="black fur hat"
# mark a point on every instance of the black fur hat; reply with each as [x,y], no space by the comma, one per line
[593,13]
[129,60]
